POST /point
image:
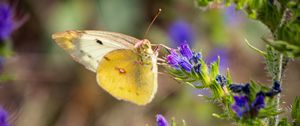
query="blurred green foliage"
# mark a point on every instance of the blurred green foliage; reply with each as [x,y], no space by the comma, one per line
[281,17]
[296,111]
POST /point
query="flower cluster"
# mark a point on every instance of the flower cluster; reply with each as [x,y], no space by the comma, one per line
[243,102]
[185,59]
[243,105]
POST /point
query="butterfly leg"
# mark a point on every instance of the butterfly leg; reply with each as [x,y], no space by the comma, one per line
[160,59]
[161,62]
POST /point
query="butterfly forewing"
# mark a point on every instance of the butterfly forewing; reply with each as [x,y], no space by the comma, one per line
[125,39]
[89,47]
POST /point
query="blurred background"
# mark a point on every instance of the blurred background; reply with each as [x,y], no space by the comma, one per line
[50,89]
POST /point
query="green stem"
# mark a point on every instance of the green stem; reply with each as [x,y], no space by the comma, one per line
[278,78]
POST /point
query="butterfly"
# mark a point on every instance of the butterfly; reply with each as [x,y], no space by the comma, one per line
[125,67]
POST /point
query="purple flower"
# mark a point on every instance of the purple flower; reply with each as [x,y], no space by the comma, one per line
[276,89]
[259,102]
[238,88]
[3,117]
[186,51]
[196,57]
[241,105]
[161,121]
[184,58]
[6,21]
[180,31]
[221,80]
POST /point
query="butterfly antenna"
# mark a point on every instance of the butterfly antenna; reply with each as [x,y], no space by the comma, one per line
[146,33]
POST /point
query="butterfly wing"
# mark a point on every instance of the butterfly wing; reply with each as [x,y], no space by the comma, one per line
[89,47]
[120,74]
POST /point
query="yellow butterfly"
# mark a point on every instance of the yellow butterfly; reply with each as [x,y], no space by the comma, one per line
[125,66]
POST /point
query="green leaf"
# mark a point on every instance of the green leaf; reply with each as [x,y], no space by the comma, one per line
[296,111]
[285,47]
[254,88]
[272,62]
[229,78]
[220,116]
[214,70]
[217,90]
[202,3]
[255,49]
[284,122]
[204,75]
[268,111]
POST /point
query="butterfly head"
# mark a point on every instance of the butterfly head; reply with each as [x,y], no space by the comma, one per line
[143,47]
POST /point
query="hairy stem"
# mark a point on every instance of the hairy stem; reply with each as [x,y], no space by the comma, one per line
[278,78]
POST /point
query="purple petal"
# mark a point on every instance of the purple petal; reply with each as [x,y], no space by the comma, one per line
[239,100]
[241,105]
[259,101]
[185,64]
[161,121]
[238,110]
[173,59]
[186,51]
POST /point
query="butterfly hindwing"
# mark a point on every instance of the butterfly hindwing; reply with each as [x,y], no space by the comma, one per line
[120,74]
